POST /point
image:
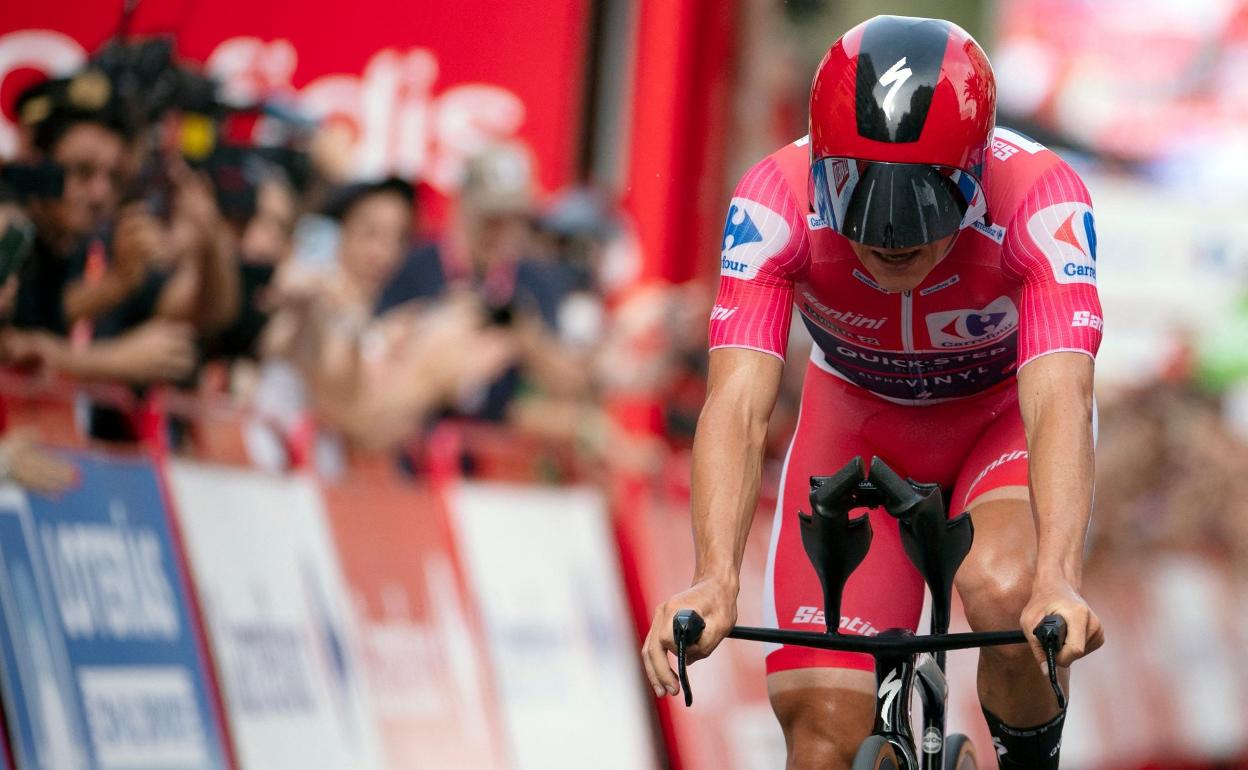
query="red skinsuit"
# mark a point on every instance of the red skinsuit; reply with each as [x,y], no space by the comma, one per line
[923,379]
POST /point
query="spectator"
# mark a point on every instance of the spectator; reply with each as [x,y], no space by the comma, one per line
[141,320]
[371,376]
[21,461]
[494,254]
[263,230]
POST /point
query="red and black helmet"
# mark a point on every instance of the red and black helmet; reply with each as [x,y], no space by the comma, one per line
[901,117]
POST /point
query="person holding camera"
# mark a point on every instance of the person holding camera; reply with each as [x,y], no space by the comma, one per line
[132,290]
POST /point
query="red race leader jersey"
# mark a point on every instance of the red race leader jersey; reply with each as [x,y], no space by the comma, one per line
[1006,293]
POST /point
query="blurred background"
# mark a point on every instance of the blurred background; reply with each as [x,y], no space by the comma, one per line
[352,353]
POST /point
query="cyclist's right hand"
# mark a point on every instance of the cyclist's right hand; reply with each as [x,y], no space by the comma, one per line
[716,602]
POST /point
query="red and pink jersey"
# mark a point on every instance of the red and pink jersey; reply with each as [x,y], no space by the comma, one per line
[1007,292]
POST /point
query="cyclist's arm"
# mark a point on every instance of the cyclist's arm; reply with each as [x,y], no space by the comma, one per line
[1051,247]
[1055,396]
[727,458]
[727,461]
[763,247]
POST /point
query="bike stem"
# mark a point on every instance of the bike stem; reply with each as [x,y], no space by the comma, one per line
[894,679]
[934,695]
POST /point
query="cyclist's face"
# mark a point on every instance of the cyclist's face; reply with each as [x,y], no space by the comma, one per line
[902,269]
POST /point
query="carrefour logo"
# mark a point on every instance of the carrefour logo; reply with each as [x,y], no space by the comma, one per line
[753,233]
[1066,233]
[964,328]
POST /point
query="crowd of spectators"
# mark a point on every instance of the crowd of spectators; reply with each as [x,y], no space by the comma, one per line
[1172,476]
[156,237]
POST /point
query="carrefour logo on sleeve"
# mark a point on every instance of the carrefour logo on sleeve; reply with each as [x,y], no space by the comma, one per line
[1066,233]
[752,235]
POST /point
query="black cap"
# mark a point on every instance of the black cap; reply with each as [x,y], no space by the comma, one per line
[341,200]
[50,107]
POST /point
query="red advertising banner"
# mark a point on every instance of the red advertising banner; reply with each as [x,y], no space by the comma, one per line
[421,650]
[420,84]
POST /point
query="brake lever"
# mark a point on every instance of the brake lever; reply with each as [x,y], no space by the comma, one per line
[687,627]
[1051,633]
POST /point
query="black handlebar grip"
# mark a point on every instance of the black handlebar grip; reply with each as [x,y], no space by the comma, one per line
[830,490]
[899,495]
[1051,633]
[687,627]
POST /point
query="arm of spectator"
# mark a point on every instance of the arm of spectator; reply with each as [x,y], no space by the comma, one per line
[157,351]
[135,243]
[204,289]
[378,392]
[590,428]
[556,368]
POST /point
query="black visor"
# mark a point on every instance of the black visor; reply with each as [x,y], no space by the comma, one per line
[894,205]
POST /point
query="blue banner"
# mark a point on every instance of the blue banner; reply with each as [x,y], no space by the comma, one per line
[101,666]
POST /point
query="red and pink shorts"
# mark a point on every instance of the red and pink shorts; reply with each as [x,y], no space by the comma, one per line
[971,446]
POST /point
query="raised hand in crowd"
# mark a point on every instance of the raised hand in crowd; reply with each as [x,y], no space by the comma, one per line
[158,351]
[450,347]
[136,243]
[203,289]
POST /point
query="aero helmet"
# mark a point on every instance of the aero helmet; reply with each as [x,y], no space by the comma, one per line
[901,117]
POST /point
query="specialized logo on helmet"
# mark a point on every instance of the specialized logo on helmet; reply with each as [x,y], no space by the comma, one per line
[893,79]
[1066,233]
[752,234]
[963,328]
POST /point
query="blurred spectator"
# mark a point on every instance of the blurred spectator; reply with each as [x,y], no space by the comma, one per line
[1170,476]
[21,461]
[493,253]
[587,346]
[264,233]
[135,286]
[372,376]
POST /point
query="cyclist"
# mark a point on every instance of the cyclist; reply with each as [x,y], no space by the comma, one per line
[947,273]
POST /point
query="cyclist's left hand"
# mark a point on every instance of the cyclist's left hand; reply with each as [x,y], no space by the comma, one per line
[1084,633]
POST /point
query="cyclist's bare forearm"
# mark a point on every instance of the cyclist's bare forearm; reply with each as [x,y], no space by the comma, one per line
[727,458]
[1055,395]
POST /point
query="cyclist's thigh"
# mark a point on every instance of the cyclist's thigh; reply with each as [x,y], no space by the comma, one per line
[996,466]
[995,579]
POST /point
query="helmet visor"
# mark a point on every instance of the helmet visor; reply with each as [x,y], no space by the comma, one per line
[894,205]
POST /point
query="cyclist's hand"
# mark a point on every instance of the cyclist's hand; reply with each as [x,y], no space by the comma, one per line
[716,602]
[1084,633]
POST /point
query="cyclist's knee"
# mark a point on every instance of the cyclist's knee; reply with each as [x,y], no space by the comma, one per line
[994,592]
[995,580]
[823,723]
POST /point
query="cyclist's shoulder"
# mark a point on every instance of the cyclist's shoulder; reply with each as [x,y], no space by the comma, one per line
[779,174]
[766,218]
[1023,176]
[1041,213]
